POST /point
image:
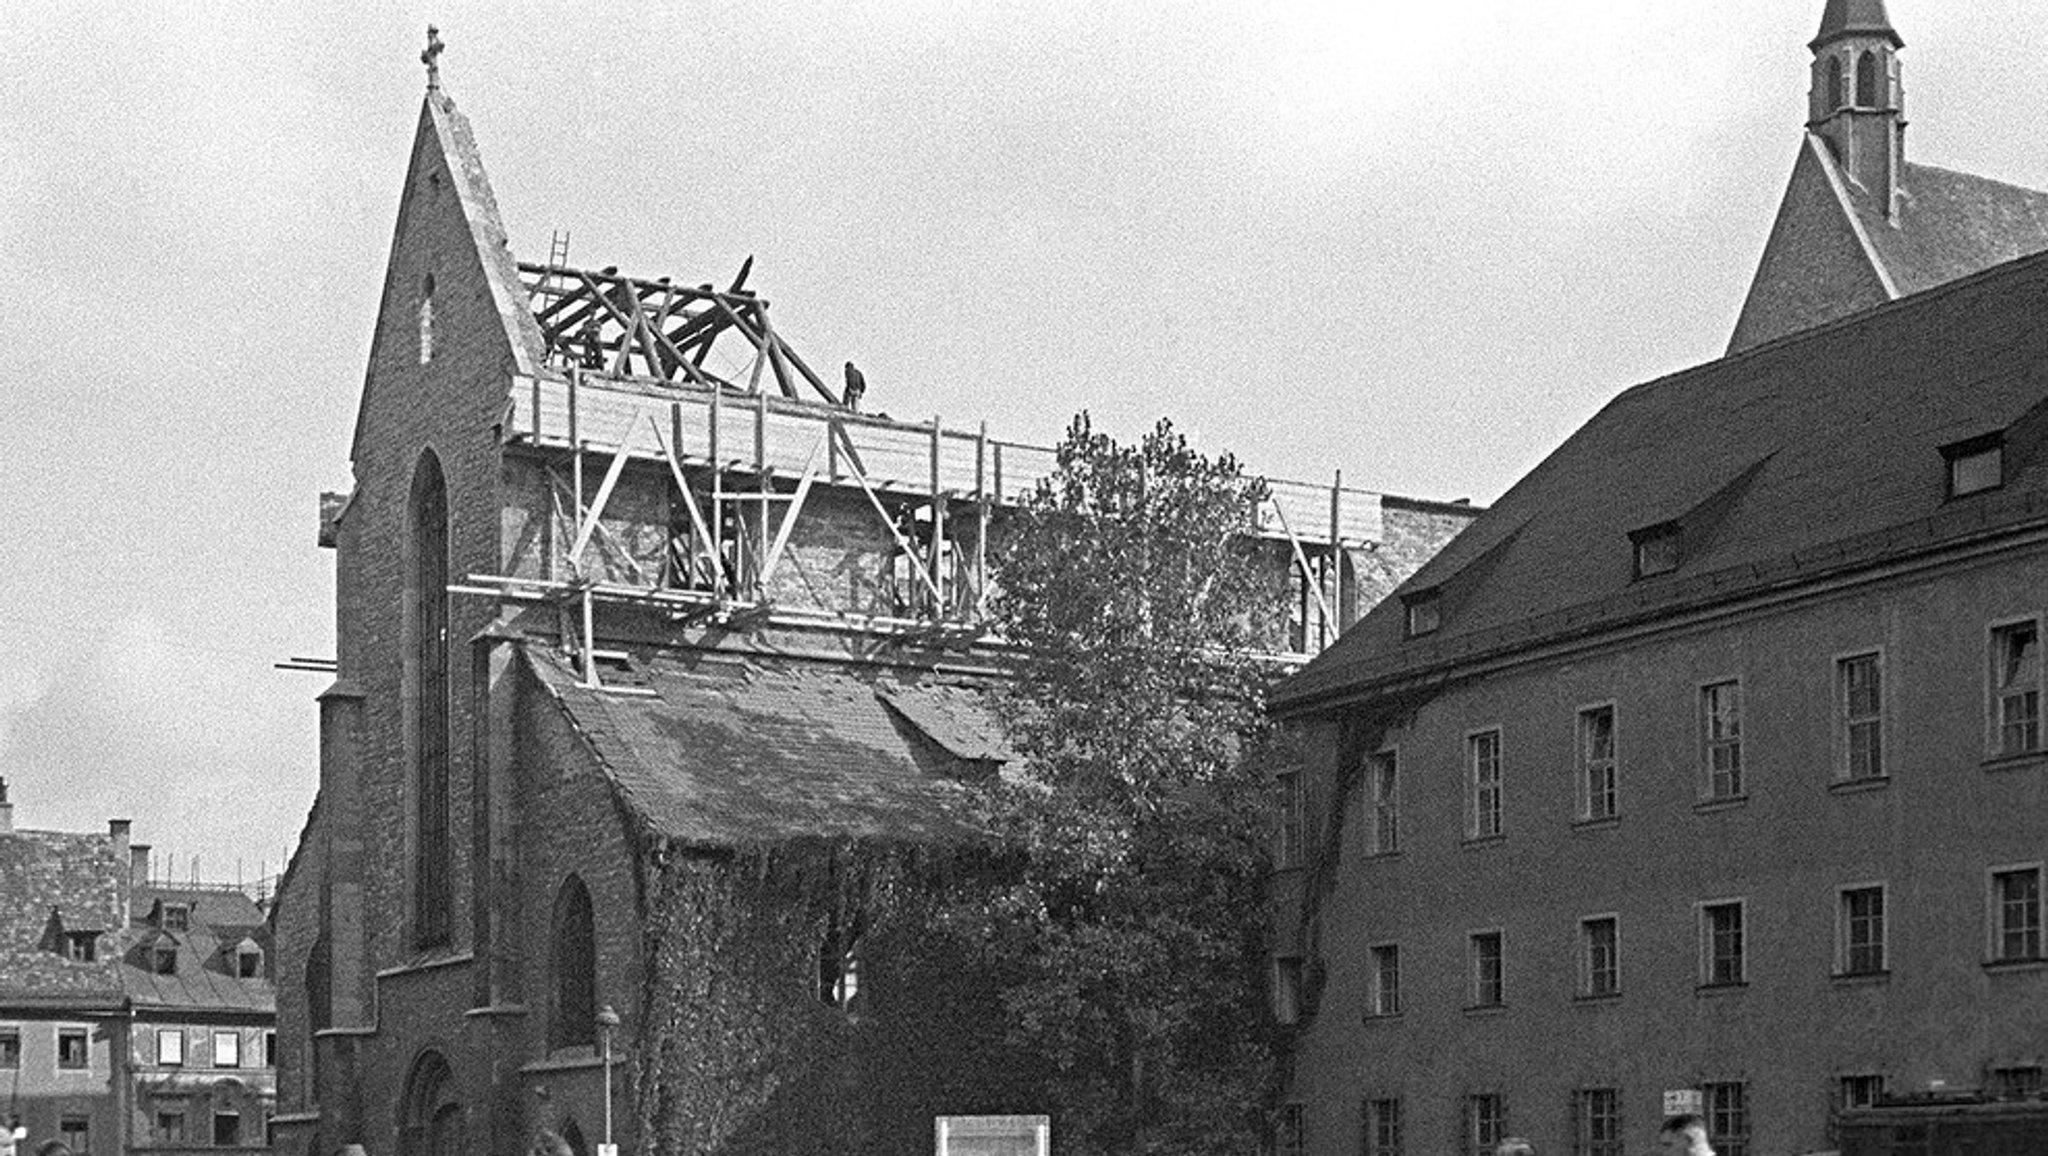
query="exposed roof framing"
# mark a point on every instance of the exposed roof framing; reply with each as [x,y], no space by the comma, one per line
[631,327]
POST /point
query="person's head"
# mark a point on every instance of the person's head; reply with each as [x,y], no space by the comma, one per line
[1515,1146]
[1684,1136]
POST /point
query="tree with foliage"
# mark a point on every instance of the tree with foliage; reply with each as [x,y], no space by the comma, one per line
[1136,919]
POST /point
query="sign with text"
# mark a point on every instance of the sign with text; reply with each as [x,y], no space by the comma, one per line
[1683,1102]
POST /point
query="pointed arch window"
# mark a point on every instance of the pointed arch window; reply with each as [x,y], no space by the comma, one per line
[1866,80]
[427,320]
[1834,82]
[428,593]
[572,1000]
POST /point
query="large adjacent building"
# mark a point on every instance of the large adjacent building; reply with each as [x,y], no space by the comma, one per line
[660,668]
[135,1015]
[1710,761]
[1860,224]
[1706,770]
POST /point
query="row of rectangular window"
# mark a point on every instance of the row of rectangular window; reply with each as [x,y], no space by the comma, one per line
[2014,910]
[73,1049]
[1596,1123]
[2014,730]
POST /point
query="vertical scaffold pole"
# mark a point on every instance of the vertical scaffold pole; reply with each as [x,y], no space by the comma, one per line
[981,515]
[937,552]
[761,486]
[717,492]
[587,660]
[1333,629]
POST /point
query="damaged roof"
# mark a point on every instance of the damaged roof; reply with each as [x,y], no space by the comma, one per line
[723,751]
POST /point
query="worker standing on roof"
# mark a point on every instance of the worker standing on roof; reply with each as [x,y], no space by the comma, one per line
[856,386]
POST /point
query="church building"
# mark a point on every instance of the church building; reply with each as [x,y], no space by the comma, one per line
[1860,224]
[662,667]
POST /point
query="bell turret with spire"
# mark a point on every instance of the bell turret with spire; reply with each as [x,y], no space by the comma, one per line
[1858,103]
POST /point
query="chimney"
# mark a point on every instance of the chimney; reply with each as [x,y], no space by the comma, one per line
[138,864]
[6,811]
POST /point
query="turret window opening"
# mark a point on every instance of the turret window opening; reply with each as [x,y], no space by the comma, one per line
[1834,83]
[1866,80]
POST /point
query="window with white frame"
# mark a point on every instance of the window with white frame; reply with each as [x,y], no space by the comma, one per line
[1383,1126]
[1486,1123]
[1384,982]
[227,1049]
[170,1046]
[1721,946]
[1483,785]
[1721,728]
[1596,1122]
[1600,955]
[2016,688]
[1860,930]
[2016,914]
[1598,790]
[1859,702]
[1727,1113]
[1383,796]
[1489,978]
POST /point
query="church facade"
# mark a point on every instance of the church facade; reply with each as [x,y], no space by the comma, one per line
[660,672]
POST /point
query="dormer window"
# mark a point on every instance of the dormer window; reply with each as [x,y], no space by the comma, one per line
[1975,465]
[81,946]
[249,961]
[1425,612]
[1657,549]
[163,958]
[177,917]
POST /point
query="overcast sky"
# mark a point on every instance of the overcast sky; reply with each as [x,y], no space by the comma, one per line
[1417,242]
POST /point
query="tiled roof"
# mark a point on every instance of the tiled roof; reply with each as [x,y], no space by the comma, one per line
[51,881]
[206,977]
[731,752]
[1950,225]
[1813,454]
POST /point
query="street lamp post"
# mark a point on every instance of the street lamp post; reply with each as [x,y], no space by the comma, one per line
[607,1019]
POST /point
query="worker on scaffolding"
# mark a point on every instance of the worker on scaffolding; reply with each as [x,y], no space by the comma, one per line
[856,388]
[12,1135]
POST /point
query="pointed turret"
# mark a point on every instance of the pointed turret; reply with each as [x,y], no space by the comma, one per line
[1858,103]
[1855,18]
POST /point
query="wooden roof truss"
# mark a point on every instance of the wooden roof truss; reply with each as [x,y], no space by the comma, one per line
[631,327]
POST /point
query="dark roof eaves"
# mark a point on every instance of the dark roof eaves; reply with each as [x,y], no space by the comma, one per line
[1580,623]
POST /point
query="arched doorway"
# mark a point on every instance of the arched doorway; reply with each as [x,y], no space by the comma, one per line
[430,1117]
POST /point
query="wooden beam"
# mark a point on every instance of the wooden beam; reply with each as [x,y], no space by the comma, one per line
[604,489]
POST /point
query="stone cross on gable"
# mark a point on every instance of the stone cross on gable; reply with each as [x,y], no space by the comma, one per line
[431,57]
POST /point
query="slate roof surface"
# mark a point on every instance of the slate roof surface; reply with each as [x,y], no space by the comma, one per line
[1812,454]
[735,752]
[1849,17]
[1950,225]
[207,976]
[80,879]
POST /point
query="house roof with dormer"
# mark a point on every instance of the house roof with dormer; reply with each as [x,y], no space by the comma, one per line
[54,884]
[1812,459]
